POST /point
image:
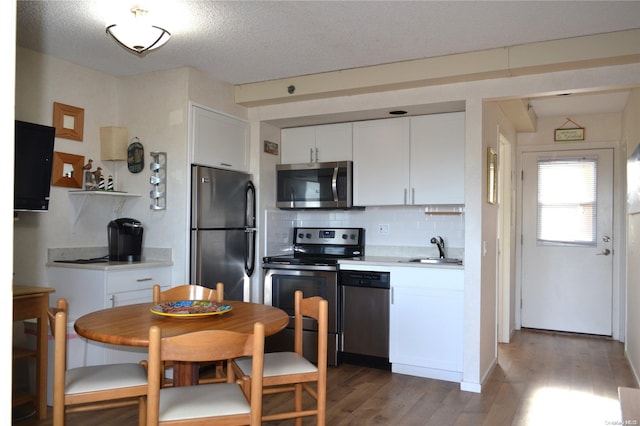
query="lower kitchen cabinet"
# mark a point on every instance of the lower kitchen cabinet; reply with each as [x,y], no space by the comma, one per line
[89,290]
[426,322]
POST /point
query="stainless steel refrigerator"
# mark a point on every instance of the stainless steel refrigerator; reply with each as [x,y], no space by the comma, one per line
[222,230]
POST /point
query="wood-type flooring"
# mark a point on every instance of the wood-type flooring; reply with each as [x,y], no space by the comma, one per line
[542,378]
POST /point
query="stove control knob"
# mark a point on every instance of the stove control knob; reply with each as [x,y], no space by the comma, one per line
[301,235]
[308,235]
[345,236]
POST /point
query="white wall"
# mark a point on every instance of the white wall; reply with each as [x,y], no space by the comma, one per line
[154,108]
[40,81]
[631,136]
[480,220]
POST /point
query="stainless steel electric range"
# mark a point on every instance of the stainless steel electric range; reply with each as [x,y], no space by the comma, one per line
[312,268]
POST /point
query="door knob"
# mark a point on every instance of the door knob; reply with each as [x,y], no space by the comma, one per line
[605,252]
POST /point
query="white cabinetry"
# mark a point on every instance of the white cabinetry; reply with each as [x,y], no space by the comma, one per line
[425,319]
[381,162]
[89,290]
[437,158]
[409,160]
[219,140]
[313,144]
[426,322]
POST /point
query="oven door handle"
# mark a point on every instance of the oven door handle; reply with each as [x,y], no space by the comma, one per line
[334,184]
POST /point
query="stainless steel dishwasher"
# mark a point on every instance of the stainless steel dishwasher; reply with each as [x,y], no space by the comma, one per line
[364,318]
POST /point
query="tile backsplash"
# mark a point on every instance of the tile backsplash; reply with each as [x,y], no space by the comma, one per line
[390,231]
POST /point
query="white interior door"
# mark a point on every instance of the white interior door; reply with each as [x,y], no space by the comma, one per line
[567,241]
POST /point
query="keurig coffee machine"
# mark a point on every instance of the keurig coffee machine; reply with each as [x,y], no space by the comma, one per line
[125,240]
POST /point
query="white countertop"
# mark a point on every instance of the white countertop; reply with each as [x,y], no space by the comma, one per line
[394,261]
[111,266]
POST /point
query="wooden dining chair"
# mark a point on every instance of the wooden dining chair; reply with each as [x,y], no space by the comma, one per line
[229,403]
[188,292]
[211,373]
[91,387]
[290,371]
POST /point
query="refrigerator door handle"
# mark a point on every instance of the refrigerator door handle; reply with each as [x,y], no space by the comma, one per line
[250,230]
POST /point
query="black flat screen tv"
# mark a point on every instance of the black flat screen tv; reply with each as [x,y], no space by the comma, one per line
[33,162]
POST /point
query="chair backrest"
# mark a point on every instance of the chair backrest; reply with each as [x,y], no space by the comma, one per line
[317,308]
[188,292]
[58,322]
[202,346]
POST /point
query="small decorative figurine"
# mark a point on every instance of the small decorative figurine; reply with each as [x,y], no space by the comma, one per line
[110,183]
[98,173]
[101,183]
[88,165]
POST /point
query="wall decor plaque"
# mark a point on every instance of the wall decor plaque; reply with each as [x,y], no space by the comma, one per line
[135,156]
[569,134]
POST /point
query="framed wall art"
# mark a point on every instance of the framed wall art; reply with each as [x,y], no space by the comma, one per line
[68,121]
[67,170]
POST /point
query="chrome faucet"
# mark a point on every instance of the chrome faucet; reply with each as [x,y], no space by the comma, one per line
[438,241]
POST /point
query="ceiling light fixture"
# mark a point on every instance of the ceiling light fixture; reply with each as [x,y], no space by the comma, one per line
[137,35]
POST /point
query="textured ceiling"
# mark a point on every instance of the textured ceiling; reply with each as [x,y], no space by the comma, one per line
[251,41]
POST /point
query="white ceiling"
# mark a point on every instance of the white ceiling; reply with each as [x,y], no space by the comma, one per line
[249,41]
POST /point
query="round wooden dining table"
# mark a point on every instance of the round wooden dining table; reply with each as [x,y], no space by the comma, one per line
[129,325]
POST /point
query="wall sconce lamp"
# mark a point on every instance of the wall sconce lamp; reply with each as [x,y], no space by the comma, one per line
[113,145]
[137,35]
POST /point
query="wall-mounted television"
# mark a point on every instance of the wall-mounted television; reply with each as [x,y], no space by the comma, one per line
[33,162]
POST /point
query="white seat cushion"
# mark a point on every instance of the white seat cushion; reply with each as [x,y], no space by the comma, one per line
[278,364]
[190,402]
[102,377]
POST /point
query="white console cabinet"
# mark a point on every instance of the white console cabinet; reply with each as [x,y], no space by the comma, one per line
[426,322]
[89,289]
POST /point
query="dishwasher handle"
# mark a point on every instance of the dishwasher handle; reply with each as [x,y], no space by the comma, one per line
[370,279]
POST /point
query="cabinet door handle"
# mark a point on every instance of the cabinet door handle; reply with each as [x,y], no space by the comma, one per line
[405,196]
[311,155]
[317,155]
[143,279]
[113,300]
[413,196]
[226,164]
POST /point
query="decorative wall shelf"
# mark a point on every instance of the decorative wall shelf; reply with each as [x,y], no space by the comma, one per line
[79,199]
[158,181]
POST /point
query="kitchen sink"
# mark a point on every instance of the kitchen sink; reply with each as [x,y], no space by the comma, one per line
[436,260]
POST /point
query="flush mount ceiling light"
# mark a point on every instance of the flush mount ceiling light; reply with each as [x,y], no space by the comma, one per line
[138,35]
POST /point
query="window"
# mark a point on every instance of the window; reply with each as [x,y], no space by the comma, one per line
[567,202]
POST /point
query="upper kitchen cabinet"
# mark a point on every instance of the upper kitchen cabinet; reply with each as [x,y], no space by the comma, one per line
[315,144]
[219,140]
[437,158]
[381,162]
[409,161]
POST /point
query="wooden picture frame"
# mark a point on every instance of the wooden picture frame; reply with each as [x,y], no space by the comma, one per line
[492,169]
[68,121]
[67,170]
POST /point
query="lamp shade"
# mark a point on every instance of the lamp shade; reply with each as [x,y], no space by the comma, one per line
[113,143]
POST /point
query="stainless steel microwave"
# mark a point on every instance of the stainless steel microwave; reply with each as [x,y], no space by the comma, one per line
[315,185]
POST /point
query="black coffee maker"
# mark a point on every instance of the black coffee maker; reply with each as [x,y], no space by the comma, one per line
[125,240]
